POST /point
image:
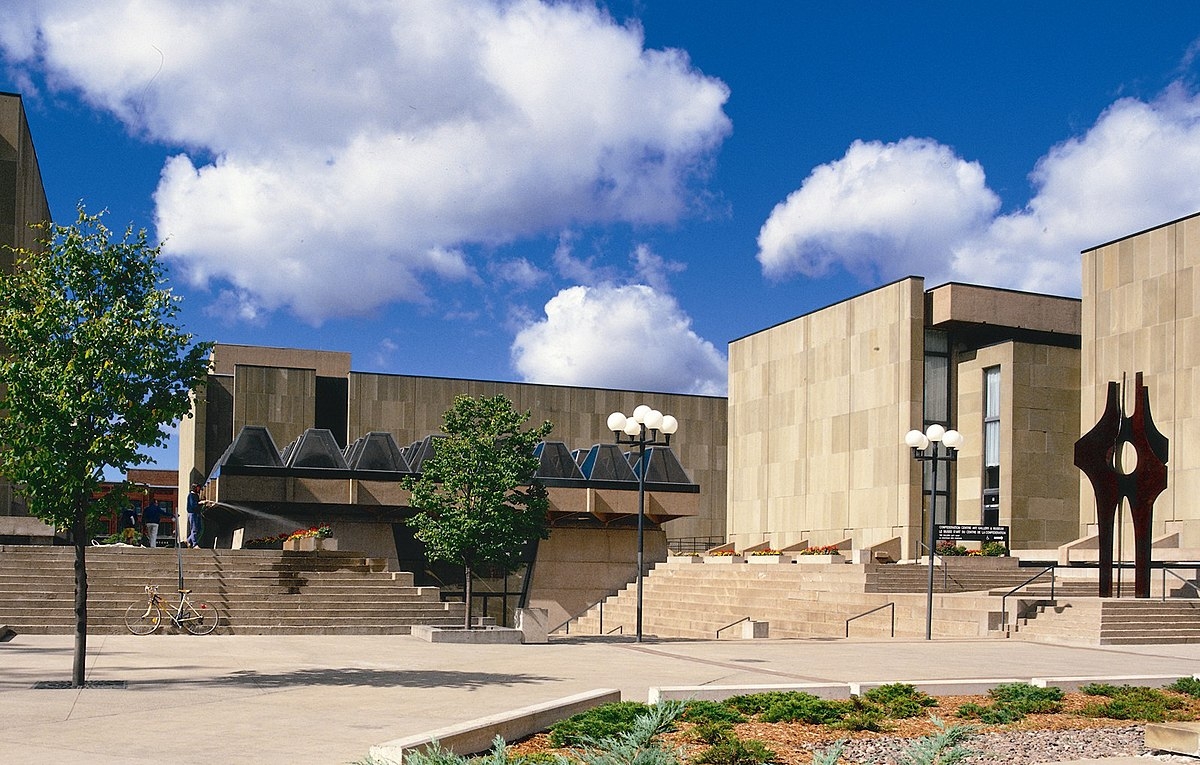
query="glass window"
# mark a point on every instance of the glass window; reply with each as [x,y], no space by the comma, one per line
[991,446]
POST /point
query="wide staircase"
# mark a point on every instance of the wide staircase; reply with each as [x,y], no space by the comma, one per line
[257,592]
[685,599]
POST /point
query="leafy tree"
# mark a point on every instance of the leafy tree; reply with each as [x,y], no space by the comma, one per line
[94,365]
[477,501]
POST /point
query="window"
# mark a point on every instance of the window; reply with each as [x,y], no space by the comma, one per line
[937,409]
[991,446]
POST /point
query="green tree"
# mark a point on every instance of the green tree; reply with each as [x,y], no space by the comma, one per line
[93,367]
[477,501]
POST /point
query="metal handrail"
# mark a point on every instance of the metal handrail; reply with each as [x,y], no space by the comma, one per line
[587,608]
[1188,582]
[1038,575]
[619,629]
[889,604]
[732,624]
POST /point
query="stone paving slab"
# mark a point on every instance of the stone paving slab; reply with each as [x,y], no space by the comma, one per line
[327,699]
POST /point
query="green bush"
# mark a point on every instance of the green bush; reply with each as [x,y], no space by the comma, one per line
[992,714]
[639,745]
[1186,685]
[1128,702]
[603,721]
[700,711]
[805,707]
[757,703]
[1028,699]
[993,549]
[711,732]
[731,750]
[900,700]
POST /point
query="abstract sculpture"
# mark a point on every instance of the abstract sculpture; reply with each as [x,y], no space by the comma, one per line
[1098,455]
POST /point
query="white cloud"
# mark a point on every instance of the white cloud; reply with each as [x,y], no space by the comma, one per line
[379,139]
[627,337]
[883,211]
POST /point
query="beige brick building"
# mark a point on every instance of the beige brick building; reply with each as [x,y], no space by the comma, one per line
[1141,313]
[819,405]
[22,204]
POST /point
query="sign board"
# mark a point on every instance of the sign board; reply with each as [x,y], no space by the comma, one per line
[967,532]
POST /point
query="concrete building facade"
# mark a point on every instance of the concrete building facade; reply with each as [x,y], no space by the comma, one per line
[819,405]
[22,205]
[1141,313]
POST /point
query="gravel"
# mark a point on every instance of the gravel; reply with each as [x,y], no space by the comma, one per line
[1024,747]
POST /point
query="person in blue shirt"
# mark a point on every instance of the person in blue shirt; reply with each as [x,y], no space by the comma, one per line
[151,517]
[193,511]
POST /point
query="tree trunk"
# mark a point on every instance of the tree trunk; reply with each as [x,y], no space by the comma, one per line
[467,591]
[79,532]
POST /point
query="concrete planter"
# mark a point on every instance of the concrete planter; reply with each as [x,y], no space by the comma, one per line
[310,544]
[810,559]
[764,559]
[485,636]
[723,560]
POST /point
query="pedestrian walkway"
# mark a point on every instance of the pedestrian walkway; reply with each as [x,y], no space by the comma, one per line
[326,699]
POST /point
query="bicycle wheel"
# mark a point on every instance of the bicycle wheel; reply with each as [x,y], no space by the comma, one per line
[199,618]
[142,618]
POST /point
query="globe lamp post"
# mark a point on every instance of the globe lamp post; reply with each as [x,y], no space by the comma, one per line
[935,445]
[643,429]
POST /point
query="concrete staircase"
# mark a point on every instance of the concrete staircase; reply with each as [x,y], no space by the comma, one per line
[696,600]
[256,591]
[684,599]
[1106,621]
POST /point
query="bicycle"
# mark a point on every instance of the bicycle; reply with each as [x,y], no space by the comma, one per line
[196,616]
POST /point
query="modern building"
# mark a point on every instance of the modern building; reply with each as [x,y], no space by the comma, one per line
[819,407]
[1141,313]
[22,205]
[277,437]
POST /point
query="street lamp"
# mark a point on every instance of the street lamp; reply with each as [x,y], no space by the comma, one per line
[950,441]
[646,427]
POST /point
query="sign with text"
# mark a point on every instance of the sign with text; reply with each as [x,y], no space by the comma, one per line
[970,533]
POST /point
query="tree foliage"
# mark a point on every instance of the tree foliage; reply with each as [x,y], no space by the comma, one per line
[477,501]
[94,362]
[93,366]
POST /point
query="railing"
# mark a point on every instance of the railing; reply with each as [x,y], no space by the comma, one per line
[889,604]
[1030,580]
[1188,582]
[619,629]
[732,624]
[567,623]
[694,544]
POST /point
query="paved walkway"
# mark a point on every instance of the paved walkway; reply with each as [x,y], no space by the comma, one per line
[327,699]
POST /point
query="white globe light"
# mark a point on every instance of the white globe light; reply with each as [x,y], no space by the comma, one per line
[654,419]
[640,413]
[616,422]
[953,439]
[669,424]
[632,427]
[915,438]
[935,432]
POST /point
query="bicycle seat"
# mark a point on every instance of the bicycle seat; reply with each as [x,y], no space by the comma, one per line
[185,592]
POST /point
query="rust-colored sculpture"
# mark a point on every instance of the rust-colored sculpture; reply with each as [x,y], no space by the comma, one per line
[1096,454]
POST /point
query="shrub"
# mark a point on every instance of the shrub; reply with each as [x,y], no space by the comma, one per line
[1028,699]
[639,744]
[731,750]
[1186,685]
[604,721]
[703,711]
[994,549]
[805,707]
[756,703]
[949,549]
[1128,702]
[992,714]
[900,700]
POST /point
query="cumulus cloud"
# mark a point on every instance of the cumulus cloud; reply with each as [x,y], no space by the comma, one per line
[327,141]
[627,337]
[914,206]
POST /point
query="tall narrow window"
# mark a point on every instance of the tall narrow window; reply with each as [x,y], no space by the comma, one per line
[991,446]
[937,409]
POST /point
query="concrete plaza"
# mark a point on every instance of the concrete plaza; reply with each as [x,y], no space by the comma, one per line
[328,699]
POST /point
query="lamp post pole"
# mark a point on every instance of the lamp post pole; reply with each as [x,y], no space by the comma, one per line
[645,428]
[950,441]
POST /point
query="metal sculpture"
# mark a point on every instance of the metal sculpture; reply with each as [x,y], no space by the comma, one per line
[1098,455]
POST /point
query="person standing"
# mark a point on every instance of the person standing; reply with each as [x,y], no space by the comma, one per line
[193,511]
[151,517]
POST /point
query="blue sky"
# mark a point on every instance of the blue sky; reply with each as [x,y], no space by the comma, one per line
[600,195]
